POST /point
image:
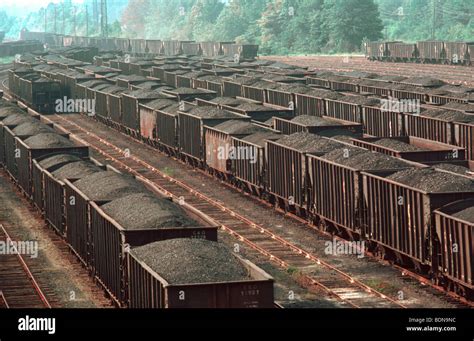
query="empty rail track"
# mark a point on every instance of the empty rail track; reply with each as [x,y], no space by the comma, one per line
[287,255]
[18,286]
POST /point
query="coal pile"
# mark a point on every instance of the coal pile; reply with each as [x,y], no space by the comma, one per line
[48,140]
[238,127]
[397,145]
[469,108]
[446,115]
[341,135]
[75,170]
[265,85]
[361,100]
[424,81]
[453,168]
[109,185]
[189,261]
[186,91]
[17,118]
[142,211]
[314,121]
[328,94]
[391,78]
[260,138]
[159,104]
[432,181]
[253,107]
[32,128]
[362,159]
[309,143]
[229,101]
[466,214]
[212,112]
[58,160]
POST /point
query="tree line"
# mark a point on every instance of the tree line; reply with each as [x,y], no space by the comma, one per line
[278,26]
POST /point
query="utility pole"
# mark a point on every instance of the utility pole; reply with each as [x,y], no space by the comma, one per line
[64,19]
[45,20]
[434,21]
[106,21]
[87,22]
[74,19]
[55,21]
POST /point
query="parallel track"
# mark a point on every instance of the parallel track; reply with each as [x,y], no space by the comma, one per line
[18,286]
[287,255]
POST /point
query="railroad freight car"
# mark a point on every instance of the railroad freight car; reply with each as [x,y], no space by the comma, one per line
[159,123]
[130,119]
[317,125]
[214,285]
[191,125]
[219,151]
[49,174]
[287,162]
[335,187]
[454,225]
[132,221]
[413,148]
[398,214]
[459,52]
[432,51]
[402,52]
[258,112]
[40,145]
[251,174]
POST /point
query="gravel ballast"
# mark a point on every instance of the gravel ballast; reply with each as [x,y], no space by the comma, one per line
[142,211]
[431,181]
[189,261]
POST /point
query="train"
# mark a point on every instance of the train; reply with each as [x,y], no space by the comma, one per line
[83,201]
[148,46]
[430,52]
[297,139]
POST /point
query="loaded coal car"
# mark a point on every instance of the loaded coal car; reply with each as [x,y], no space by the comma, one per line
[40,145]
[214,277]
[69,80]
[449,93]
[49,173]
[432,51]
[464,134]
[131,101]
[407,234]
[376,50]
[251,173]
[402,52]
[154,47]
[458,52]
[259,112]
[454,224]
[382,120]
[435,124]
[6,109]
[20,127]
[335,186]
[191,134]
[189,95]
[219,151]
[122,211]
[159,124]
[80,91]
[413,148]
[287,168]
[284,96]
[101,101]
[316,125]
[349,108]
[312,102]
[232,86]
